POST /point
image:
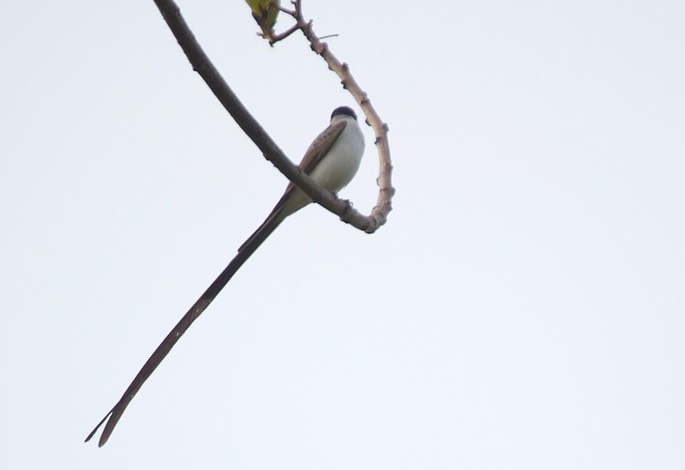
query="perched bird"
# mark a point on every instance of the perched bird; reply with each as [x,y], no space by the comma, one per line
[331,160]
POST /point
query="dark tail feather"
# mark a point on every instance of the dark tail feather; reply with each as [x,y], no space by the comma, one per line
[244,252]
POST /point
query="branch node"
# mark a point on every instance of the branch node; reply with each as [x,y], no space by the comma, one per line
[346,211]
[323,48]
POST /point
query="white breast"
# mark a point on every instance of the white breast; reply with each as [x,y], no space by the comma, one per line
[341,163]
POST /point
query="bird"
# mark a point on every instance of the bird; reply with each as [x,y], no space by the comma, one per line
[332,161]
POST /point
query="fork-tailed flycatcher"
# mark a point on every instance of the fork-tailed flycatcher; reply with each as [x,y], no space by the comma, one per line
[331,160]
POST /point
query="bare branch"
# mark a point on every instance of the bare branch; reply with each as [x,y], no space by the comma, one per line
[279,37]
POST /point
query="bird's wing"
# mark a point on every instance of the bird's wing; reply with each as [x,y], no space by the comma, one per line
[316,151]
[319,147]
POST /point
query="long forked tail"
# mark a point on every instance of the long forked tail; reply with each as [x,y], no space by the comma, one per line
[245,251]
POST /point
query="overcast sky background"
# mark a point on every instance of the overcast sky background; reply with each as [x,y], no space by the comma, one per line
[523,308]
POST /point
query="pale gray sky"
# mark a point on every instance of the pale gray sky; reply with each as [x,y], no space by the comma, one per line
[522,309]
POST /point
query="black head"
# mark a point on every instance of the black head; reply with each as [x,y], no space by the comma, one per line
[344,110]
